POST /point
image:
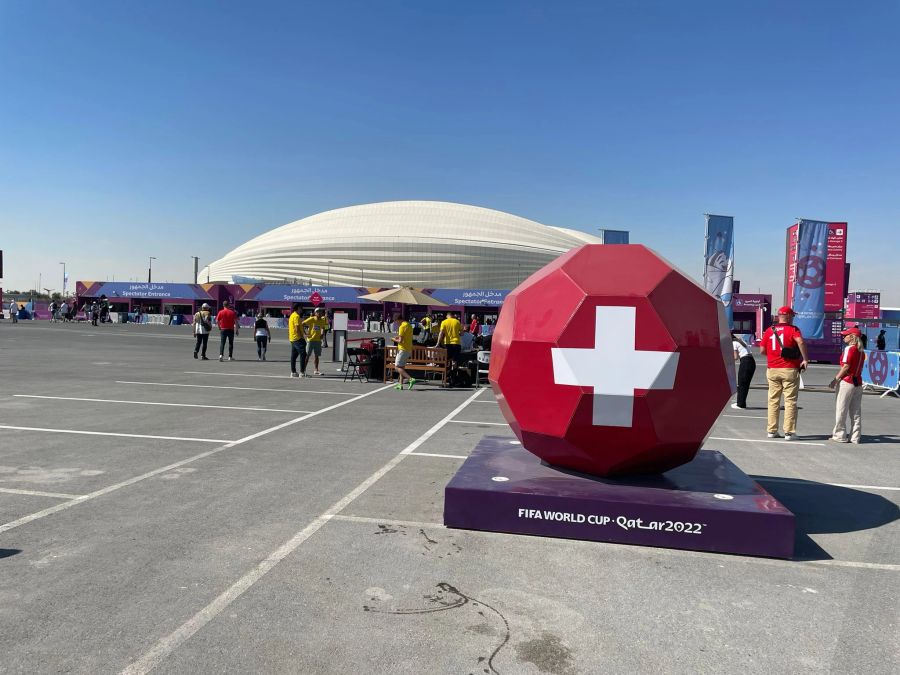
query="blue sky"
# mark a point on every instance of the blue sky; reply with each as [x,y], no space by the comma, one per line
[173,129]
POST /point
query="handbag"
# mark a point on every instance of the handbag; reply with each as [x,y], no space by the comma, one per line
[789,353]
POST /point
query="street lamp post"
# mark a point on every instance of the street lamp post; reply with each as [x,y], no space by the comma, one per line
[150,269]
[64,278]
[196,265]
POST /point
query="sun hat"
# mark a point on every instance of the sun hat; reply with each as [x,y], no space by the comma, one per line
[786,310]
[852,331]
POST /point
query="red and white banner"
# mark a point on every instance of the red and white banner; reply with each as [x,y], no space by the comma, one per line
[835,272]
[834,267]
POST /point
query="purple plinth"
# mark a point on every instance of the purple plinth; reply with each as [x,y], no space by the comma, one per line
[708,504]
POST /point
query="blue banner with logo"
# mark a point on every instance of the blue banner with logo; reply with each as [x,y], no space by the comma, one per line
[718,271]
[123,289]
[469,297]
[809,283]
[303,293]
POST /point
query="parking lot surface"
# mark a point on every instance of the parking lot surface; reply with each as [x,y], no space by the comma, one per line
[163,513]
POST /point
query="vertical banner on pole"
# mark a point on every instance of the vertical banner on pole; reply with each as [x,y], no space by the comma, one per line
[718,270]
[808,300]
[834,267]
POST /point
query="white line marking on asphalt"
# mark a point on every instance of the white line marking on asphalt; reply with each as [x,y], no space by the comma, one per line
[749,417]
[849,563]
[494,402]
[807,482]
[434,454]
[171,642]
[36,493]
[137,479]
[763,440]
[321,378]
[176,405]
[148,335]
[110,433]
[105,331]
[218,386]
[491,424]
[382,521]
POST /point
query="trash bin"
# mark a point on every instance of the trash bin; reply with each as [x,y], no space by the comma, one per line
[177,319]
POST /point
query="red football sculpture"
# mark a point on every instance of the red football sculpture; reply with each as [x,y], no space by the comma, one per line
[611,361]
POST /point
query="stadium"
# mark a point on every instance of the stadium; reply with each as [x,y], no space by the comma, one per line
[410,243]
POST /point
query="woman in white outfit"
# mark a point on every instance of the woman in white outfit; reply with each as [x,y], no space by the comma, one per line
[848,383]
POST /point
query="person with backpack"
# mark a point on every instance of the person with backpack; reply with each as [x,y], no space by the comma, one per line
[786,358]
[202,328]
[849,387]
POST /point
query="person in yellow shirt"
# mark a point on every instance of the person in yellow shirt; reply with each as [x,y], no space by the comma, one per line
[449,335]
[426,329]
[297,340]
[314,327]
[404,342]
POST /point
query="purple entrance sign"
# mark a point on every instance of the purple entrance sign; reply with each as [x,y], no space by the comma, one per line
[708,504]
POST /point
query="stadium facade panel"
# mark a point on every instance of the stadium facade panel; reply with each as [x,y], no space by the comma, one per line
[410,243]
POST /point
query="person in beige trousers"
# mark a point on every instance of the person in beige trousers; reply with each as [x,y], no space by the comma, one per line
[783,371]
[848,383]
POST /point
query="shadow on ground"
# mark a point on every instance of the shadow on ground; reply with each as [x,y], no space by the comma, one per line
[9,552]
[821,508]
[866,438]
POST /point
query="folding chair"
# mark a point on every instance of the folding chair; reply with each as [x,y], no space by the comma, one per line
[484,362]
[358,364]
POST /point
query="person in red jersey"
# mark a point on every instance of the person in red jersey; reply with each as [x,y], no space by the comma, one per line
[474,326]
[228,328]
[786,357]
[848,383]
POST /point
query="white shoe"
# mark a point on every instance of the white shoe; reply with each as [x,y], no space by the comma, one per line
[230,359]
[295,374]
[221,358]
[790,437]
[736,406]
[771,435]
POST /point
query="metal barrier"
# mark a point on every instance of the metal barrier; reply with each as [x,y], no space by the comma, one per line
[881,372]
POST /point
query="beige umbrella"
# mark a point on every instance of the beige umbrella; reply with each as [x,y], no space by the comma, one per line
[404,296]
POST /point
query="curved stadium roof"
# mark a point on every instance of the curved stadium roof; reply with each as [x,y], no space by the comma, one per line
[411,243]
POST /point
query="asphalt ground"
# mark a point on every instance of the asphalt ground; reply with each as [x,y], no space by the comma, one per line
[221,517]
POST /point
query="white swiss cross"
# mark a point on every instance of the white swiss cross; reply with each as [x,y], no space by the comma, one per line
[614,368]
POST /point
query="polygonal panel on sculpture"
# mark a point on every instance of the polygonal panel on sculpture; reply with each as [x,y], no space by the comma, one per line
[611,361]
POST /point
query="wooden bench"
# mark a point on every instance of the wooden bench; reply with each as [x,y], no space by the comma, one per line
[422,360]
